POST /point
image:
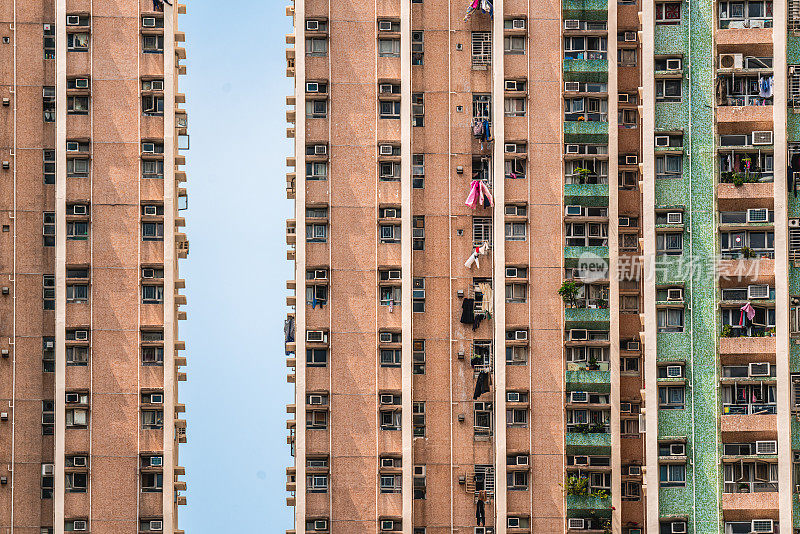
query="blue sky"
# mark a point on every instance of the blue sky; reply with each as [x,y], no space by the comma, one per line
[236,452]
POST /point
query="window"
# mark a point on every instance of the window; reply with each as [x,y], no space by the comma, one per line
[418,109]
[629,304]
[48,354]
[418,419]
[48,484]
[152,347]
[77,418]
[390,419]
[153,105]
[389,109]
[77,355]
[49,104]
[668,13]
[669,243]
[152,168]
[629,365]
[153,44]
[668,89]
[417,47]
[316,419]
[517,292]
[389,171]
[517,417]
[390,357]
[77,292]
[152,231]
[79,42]
[152,294]
[389,233]
[672,475]
[316,109]
[77,105]
[388,47]
[76,482]
[516,231]
[483,418]
[48,417]
[418,232]
[585,47]
[629,426]
[514,107]
[152,419]
[77,230]
[481,230]
[152,482]
[418,357]
[49,292]
[317,46]
[49,228]
[77,167]
[517,480]
[49,43]
[626,57]
[671,397]
[514,44]
[628,118]
[420,484]
[670,320]
[316,357]
[482,107]
[418,171]
[316,170]
[481,49]
[516,355]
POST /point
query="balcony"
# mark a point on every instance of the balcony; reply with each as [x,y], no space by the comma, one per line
[595,128]
[586,65]
[744,109]
[747,345]
[588,502]
[581,440]
[574,253]
[578,193]
[745,195]
[576,9]
[766,424]
[751,500]
[585,380]
[591,318]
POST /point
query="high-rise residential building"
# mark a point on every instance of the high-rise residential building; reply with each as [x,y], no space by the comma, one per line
[91,127]
[617,356]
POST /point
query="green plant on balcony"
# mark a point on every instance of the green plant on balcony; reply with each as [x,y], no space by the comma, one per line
[602,303]
[605,524]
[593,366]
[576,486]
[737,179]
[747,253]
[771,332]
[569,293]
[727,331]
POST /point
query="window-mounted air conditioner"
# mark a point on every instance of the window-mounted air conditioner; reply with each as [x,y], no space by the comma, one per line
[73,20]
[576,523]
[390,213]
[72,146]
[571,87]
[518,24]
[522,459]
[148,148]
[79,209]
[150,210]
[662,141]
[674,371]
[157,85]
[513,522]
[385,25]
[149,22]
[578,334]
[629,37]
[632,345]
[632,160]
[762,137]
[758,369]
[675,217]
[675,293]
[573,210]
[511,272]
[387,524]
[572,24]
[156,461]
[419,470]
[625,407]
[79,525]
[79,461]
[674,64]
[387,399]
[678,527]
[48,470]
[511,147]
[520,335]
[677,449]
[72,398]
[623,98]
[511,85]
[81,335]
[757,215]
[512,396]
[387,462]
[580,460]
[759,526]
[385,150]
[386,337]
[320,274]
[81,83]
[573,149]
[394,274]
[312,25]
[385,88]
[578,396]
[315,336]
[766,447]
[315,399]
[759,291]
[156,398]
[321,524]
[634,470]
[320,150]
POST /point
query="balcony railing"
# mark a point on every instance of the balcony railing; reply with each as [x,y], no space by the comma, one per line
[749,409]
[746,486]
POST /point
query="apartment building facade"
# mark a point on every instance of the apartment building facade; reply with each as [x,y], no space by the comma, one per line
[91,129]
[466,179]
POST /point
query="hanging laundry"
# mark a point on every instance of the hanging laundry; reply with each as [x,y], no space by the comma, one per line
[479,194]
[765,84]
[747,311]
[481,385]
[486,290]
[477,322]
[485,6]
[480,511]
[479,251]
[288,329]
[468,311]
[477,128]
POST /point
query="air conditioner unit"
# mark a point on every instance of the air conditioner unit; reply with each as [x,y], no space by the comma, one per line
[72,146]
[576,523]
[385,88]
[634,470]
[49,345]
[419,470]
[520,335]
[151,210]
[674,64]
[678,527]
[760,291]
[385,25]
[766,447]
[757,215]
[675,217]
[580,460]
[513,522]
[510,147]
[572,86]
[81,335]
[390,213]
[156,461]
[156,398]
[758,369]
[156,525]
[387,524]
[157,85]
[662,140]
[731,61]
[387,462]
[386,337]
[73,20]
[79,209]
[81,83]
[315,399]
[625,407]
[624,221]
[48,470]
[630,37]
[573,210]
[149,22]
[518,24]
[677,449]
[79,461]
[394,274]
[512,396]
[511,85]
[632,345]
[632,160]
[321,524]
[623,98]
[762,137]
[573,149]
[522,459]
[385,150]
[572,24]
[315,336]
[675,294]
[674,371]
[320,150]
[794,223]
[578,334]
[148,148]
[79,525]
[511,272]
[759,526]
[387,399]
[578,396]
[312,25]
[320,274]
[312,87]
